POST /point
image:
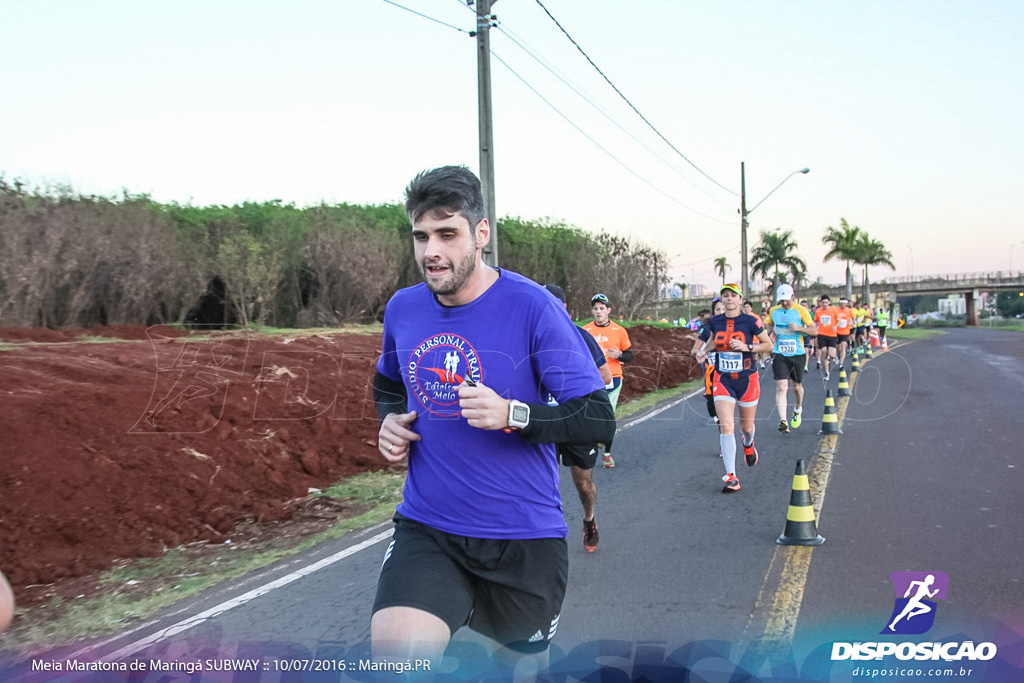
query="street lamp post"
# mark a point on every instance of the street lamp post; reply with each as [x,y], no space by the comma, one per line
[744,212]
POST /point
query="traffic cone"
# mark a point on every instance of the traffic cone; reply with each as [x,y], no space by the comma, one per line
[856,364]
[830,421]
[867,352]
[885,344]
[844,385]
[800,526]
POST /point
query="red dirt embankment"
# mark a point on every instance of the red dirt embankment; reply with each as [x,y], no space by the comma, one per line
[120,450]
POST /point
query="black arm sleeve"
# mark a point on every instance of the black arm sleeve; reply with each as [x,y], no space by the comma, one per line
[588,419]
[626,356]
[389,396]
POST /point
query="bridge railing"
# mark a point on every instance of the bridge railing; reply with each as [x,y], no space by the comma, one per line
[998,276]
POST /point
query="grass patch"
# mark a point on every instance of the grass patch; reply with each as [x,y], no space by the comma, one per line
[913,333]
[136,590]
[1001,327]
[86,338]
[647,400]
[374,328]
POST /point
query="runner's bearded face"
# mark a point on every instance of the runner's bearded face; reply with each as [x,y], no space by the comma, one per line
[445,252]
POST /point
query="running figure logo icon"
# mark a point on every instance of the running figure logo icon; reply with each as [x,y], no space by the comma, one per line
[435,369]
[914,608]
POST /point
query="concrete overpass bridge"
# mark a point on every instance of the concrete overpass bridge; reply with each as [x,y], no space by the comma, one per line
[885,292]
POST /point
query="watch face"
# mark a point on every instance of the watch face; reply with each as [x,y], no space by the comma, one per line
[520,413]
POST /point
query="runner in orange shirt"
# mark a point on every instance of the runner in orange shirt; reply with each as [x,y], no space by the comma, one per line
[828,319]
[614,340]
[844,328]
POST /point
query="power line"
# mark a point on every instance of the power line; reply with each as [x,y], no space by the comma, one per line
[599,146]
[532,53]
[420,14]
[626,100]
[724,253]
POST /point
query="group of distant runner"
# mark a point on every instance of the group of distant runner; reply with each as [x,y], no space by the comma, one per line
[733,343]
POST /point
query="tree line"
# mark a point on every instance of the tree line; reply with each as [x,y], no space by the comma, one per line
[72,260]
[774,257]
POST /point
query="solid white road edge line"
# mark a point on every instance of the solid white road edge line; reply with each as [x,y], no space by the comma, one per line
[197,619]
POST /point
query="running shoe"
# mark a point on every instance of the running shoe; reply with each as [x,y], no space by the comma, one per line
[798,418]
[750,453]
[783,427]
[608,462]
[731,483]
[590,537]
[805,368]
[827,377]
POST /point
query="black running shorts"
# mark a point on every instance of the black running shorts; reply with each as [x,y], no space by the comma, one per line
[583,456]
[788,367]
[825,342]
[508,590]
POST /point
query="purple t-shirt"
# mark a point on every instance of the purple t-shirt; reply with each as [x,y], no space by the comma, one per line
[516,339]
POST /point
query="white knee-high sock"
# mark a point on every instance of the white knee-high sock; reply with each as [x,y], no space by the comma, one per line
[728,443]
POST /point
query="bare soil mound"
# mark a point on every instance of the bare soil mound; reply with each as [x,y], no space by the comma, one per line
[120,450]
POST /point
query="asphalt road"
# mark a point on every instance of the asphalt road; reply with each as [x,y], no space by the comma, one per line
[926,476]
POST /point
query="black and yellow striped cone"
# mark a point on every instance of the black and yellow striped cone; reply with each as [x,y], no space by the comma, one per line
[867,351]
[800,526]
[830,421]
[844,384]
[856,364]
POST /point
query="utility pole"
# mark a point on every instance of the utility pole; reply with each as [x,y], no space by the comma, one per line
[745,280]
[483,70]
[743,231]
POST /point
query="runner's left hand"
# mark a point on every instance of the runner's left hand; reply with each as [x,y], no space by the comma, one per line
[482,407]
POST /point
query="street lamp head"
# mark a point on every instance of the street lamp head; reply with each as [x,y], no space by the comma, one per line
[805,170]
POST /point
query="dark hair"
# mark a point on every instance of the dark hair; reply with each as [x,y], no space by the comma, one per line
[557,291]
[703,312]
[445,190]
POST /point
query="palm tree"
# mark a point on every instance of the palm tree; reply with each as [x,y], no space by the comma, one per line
[842,245]
[721,265]
[774,250]
[870,252]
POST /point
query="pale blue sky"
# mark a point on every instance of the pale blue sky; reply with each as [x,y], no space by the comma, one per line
[906,112]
